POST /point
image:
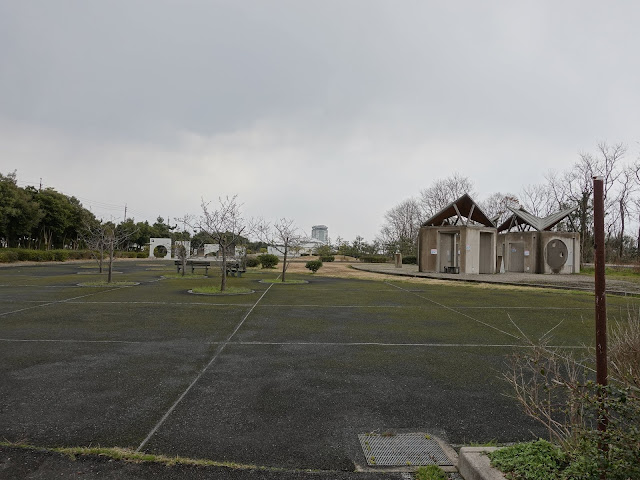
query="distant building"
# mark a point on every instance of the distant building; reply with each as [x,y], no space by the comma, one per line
[320,232]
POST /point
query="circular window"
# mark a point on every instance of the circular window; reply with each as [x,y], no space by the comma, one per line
[160,251]
[556,254]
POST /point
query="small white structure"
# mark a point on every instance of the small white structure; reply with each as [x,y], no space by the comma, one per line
[307,246]
[160,242]
[186,244]
[211,248]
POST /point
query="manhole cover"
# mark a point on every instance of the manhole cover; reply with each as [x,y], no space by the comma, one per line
[402,449]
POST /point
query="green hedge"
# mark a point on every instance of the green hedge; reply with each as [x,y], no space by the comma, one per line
[374,259]
[314,265]
[132,254]
[252,262]
[267,260]
[9,255]
[327,258]
[410,260]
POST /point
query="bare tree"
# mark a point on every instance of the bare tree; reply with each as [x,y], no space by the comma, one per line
[284,236]
[181,255]
[538,199]
[442,192]
[575,186]
[636,169]
[627,188]
[401,227]
[94,237]
[105,237]
[495,206]
[224,225]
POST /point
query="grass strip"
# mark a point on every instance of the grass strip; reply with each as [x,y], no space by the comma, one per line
[185,276]
[215,290]
[128,455]
[287,282]
[107,284]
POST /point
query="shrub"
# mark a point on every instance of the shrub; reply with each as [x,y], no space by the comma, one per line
[268,260]
[410,260]
[252,262]
[327,258]
[374,259]
[60,255]
[126,254]
[430,472]
[539,460]
[142,255]
[313,265]
[8,256]
[556,390]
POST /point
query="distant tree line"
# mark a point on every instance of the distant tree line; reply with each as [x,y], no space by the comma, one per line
[560,190]
[46,220]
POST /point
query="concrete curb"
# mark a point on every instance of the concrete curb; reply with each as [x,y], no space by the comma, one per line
[455,278]
[473,464]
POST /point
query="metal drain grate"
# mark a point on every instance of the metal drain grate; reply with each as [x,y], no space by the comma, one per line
[402,449]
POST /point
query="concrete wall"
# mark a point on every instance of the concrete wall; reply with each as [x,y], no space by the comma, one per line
[430,242]
[572,242]
[537,251]
[531,254]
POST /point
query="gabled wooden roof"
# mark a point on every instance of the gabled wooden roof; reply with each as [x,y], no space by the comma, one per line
[463,207]
[522,217]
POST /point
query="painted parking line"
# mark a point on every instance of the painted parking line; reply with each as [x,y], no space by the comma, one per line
[195,380]
[312,344]
[46,340]
[98,302]
[383,344]
[456,311]
[43,286]
[60,301]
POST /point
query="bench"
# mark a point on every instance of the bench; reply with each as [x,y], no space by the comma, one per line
[195,264]
[235,269]
[451,269]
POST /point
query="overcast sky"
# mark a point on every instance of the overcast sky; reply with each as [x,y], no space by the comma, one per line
[327,112]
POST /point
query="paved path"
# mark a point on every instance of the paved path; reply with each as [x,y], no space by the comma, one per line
[570,282]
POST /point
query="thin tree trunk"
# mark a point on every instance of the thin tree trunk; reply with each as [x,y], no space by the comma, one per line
[621,247]
[638,240]
[284,263]
[223,284]
[111,252]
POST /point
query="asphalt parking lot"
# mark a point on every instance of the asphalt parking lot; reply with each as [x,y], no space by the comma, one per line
[286,377]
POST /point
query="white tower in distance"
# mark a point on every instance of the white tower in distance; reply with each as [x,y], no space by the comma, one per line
[320,232]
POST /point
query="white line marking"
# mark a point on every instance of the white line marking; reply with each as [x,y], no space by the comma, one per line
[380,344]
[61,301]
[306,305]
[195,380]
[320,344]
[167,303]
[43,286]
[456,311]
[24,340]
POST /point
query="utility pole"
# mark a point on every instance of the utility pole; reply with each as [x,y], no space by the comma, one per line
[40,189]
[601,311]
[125,213]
